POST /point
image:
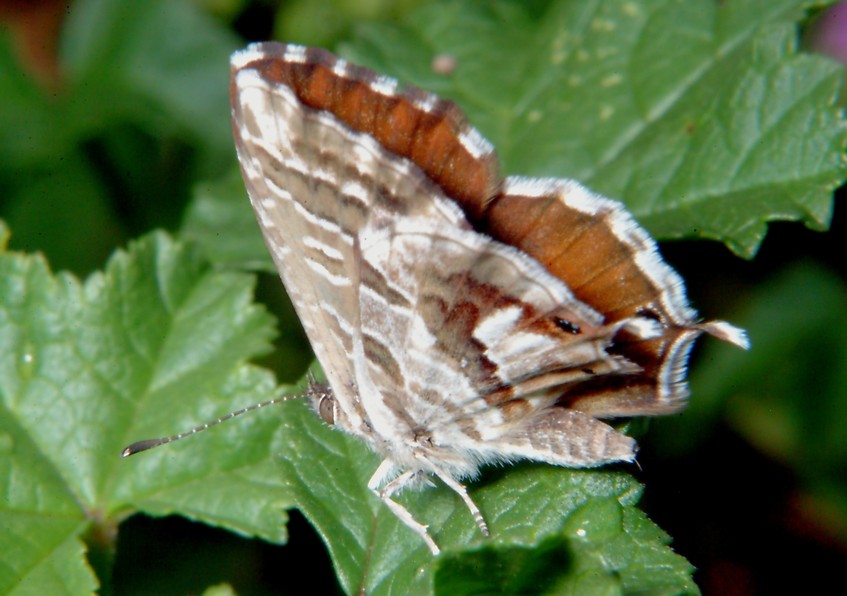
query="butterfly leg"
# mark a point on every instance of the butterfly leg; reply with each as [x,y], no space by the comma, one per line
[460,490]
[385,493]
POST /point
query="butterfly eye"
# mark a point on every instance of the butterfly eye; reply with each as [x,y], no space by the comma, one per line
[649,313]
[567,326]
[326,408]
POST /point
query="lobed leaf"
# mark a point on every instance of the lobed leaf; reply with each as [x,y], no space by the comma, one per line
[703,117]
[153,344]
[583,520]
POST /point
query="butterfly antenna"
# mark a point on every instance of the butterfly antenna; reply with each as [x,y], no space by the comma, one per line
[146,444]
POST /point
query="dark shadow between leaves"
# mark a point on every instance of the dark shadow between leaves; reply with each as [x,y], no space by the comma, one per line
[515,570]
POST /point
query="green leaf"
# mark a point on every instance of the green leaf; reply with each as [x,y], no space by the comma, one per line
[220,590]
[220,219]
[79,234]
[143,108]
[586,520]
[600,551]
[25,107]
[701,116]
[154,344]
[322,22]
[164,63]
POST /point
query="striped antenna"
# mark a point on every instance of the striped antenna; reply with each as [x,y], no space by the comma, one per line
[139,446]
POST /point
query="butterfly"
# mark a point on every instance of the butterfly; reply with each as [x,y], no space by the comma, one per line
[461,318]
